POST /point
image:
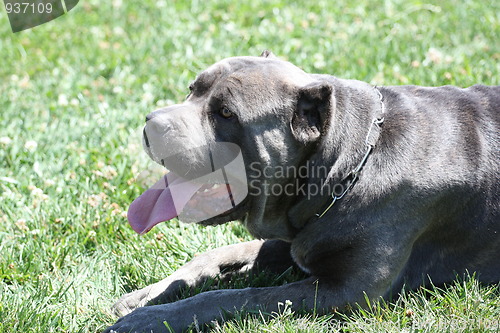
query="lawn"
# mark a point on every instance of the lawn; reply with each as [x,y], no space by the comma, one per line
[74,93]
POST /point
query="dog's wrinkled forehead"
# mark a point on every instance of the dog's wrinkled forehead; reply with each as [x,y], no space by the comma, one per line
[250,87]
[246,70]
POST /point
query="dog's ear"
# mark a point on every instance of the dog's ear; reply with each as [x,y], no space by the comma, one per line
[268,54]
[312,111]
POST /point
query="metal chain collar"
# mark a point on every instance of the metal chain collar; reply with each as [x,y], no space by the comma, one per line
[370,141]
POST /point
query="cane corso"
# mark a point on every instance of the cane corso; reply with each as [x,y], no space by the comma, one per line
[366,189]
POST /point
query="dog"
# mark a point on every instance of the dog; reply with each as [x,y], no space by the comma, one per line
[380,189]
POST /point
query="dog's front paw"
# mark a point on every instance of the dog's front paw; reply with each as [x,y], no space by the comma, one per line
[129,302]
[161,292]
[149,319]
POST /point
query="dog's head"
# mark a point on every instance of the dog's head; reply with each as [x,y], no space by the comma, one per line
[244,120]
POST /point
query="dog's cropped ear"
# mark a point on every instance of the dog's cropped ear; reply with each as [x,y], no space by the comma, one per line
[312,112]
[268,54]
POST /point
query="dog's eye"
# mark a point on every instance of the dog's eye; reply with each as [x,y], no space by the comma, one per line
[226,113]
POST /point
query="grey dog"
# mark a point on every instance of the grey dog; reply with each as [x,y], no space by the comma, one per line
[412,189]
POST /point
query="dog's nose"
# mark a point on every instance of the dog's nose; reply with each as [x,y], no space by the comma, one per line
[162,121]
[156,113]
[151,115]
[158,124]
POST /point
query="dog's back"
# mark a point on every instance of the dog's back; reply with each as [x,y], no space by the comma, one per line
[454,160]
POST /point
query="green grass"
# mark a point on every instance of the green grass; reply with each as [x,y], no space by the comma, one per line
[74,91]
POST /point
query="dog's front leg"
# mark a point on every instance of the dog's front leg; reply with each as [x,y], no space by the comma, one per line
[273,255]
[212,305]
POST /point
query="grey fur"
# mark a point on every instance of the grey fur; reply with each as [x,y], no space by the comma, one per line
[426,203]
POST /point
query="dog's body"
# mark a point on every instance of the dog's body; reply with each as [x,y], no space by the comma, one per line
[426,203]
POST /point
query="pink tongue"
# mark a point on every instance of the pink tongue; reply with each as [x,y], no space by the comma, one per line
[159,203]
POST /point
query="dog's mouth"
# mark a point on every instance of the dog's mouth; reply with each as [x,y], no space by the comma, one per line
[209,190]
[207,203]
